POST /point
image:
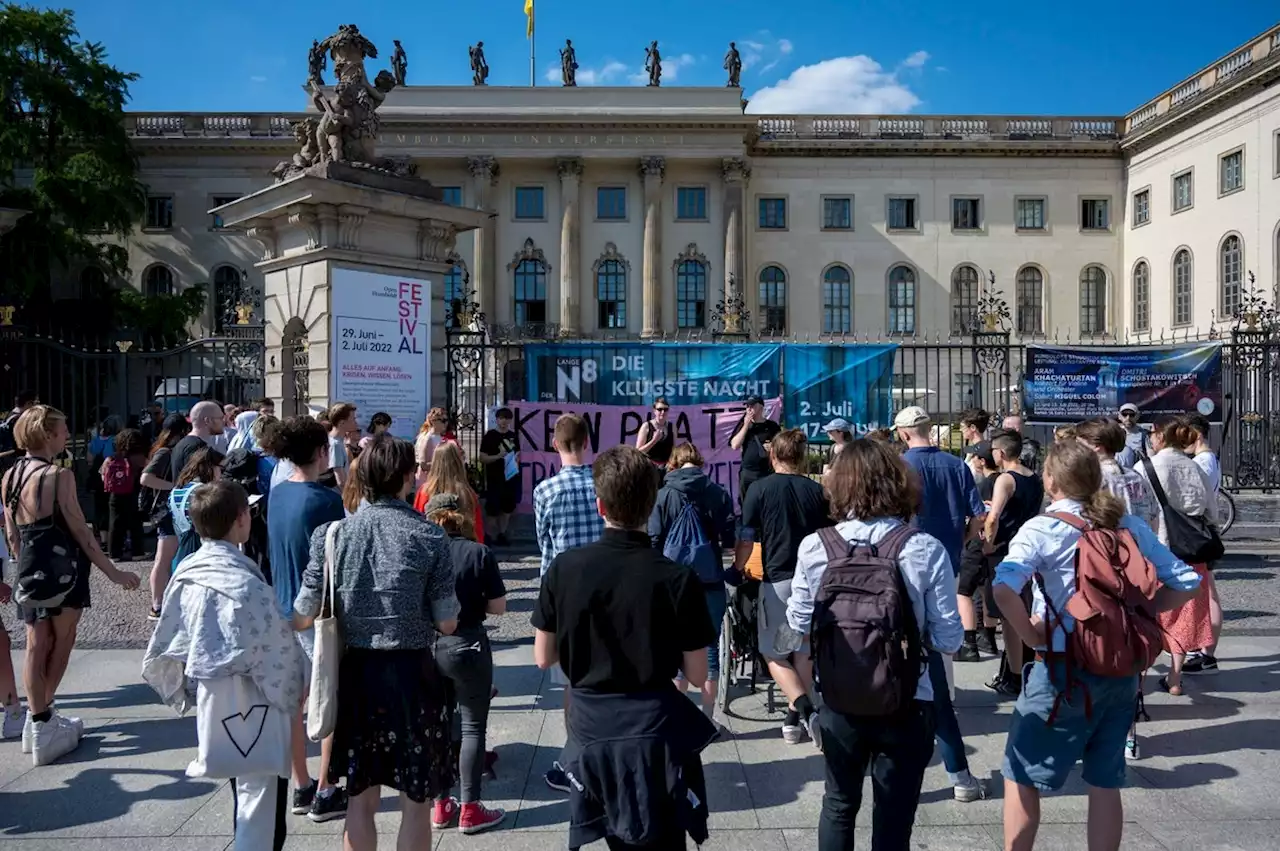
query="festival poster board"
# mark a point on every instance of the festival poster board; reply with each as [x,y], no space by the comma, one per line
[1066,385]
[381,344]
[822,382]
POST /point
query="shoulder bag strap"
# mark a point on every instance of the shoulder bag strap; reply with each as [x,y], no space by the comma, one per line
[330,567]
[890,546]
[836,546]
[1078,523]
[1154,480]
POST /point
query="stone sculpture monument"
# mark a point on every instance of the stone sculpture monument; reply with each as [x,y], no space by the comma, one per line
[568,64]
[346,128]
[399,64]
[653,64]
[316,63]
[732,64]
[479,67]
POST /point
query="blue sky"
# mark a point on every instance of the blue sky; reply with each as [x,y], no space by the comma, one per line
[997,57]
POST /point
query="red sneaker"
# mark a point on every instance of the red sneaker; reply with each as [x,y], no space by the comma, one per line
[477,818]
[445,814]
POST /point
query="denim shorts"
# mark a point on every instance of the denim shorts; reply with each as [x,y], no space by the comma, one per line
[1041,755]
[717,602]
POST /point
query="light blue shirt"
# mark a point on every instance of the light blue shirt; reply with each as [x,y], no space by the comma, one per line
[926,572]
[1047,546]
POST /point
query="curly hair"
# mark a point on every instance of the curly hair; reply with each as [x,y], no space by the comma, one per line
[867,480]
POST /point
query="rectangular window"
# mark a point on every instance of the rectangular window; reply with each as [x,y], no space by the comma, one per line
[902,214]
[837,214]
[966,384]
[966,214]
[1029,214]
[1231,172]
[691,203]
[1141,208]
[159,212]
[1183,191]
[773,214]
[1095,214]
[215,201]
[529,203]
[452,195]
[611,203]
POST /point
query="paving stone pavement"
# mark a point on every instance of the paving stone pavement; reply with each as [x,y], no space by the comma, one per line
[1207,779]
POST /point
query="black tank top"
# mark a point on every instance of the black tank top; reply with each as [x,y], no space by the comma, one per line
[1023,504]
[660,452]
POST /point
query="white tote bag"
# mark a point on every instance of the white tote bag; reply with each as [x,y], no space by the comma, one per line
[239,733]
[322,702]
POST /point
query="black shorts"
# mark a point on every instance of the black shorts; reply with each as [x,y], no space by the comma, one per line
[975,571]
[502,499]
[77,598]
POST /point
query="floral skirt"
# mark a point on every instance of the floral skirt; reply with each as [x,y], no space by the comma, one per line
[1187,628]
[393,724]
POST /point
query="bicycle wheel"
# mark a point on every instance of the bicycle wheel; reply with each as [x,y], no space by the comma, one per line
[1226,511]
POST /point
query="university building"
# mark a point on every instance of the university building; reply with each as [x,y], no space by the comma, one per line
[640,211]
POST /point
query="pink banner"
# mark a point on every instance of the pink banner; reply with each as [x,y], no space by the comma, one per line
[708,427]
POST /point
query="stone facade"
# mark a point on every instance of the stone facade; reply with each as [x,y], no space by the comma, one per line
[636,210]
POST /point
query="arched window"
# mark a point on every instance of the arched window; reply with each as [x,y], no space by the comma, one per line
[691,294]
[1183,286]
[1093,300]
[964,300]
[157,281]
[773,300]
[93,282]
[1141,296]
[902,300]
[226,296]
[457,289]
[1230,276]
[611,288]
[453,286]
[837,301]
[1029,300]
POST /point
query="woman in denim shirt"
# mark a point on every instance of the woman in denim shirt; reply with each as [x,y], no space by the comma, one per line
[1039,756]
[394,593]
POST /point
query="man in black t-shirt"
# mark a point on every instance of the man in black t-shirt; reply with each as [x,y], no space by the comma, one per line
[206,423]
[500,493]
[752,438]
[779,512]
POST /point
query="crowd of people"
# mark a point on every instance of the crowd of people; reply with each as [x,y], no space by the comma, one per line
[341,580]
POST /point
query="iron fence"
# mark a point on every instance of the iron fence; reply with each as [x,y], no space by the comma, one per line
[944,376]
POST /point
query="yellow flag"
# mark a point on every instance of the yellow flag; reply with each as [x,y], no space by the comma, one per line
[528,13]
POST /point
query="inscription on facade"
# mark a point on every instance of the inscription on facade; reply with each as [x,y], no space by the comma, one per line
[549,140]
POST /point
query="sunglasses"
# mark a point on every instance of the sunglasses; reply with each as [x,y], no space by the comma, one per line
[661,410]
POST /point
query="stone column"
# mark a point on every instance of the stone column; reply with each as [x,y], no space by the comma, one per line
[735,172]
[652,169]
[570,169]
[484,174]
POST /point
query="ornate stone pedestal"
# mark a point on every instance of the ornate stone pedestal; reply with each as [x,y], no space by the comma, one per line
[353,260]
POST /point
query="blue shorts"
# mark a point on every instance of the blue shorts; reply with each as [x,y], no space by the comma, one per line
[717,603]
[1042,756]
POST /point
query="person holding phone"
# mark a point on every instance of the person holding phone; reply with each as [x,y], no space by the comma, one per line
[752,439]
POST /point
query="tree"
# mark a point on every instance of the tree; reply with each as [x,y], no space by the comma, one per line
[66,158]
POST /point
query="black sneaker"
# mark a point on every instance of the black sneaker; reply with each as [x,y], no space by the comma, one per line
[328,807]
[968,653]
[302,799]
[987,646]
[1201,663]
[557,779]
[1006,686]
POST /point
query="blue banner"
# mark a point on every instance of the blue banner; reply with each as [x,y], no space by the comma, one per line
[852,382]
[637,373]
[1067,385]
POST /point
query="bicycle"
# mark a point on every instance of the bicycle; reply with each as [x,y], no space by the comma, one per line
[1226,511]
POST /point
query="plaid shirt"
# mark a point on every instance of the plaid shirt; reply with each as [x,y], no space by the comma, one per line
[564,513]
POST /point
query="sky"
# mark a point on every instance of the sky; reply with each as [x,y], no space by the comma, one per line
[836,56]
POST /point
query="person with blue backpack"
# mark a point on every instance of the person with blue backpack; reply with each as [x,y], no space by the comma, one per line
[693,524]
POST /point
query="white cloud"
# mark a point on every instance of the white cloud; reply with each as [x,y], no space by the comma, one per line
[763,50]
[844,85]
[257,79]
[671,66]
[611,72]
[916,60]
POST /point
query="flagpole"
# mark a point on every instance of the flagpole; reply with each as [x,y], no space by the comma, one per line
[532,31]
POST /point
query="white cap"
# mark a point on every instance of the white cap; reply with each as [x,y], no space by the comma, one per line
[1129,406]
[911,417]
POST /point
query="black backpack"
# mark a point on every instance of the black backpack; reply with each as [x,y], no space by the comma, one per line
[867,654]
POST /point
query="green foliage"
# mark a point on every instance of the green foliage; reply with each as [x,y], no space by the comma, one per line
[162,318]
[64,153]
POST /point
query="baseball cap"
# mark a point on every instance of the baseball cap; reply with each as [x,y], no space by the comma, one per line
[753,400]
[911,417]
[1129,406]
[442,502]
[982,449]
[838,424]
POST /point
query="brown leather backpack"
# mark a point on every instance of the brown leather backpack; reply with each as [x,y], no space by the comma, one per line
[1116,632]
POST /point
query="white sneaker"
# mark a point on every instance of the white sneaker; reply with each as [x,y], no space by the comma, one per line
[969,790]
[68,720]
[15,724]
[27,733]
[51,740]
[1132,750]
[792,734]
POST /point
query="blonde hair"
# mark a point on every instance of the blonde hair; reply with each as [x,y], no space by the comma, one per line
[35,426]
[449,475]
[1077,474]
[353,490]
[685,453]
[454,522]
[433,415]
